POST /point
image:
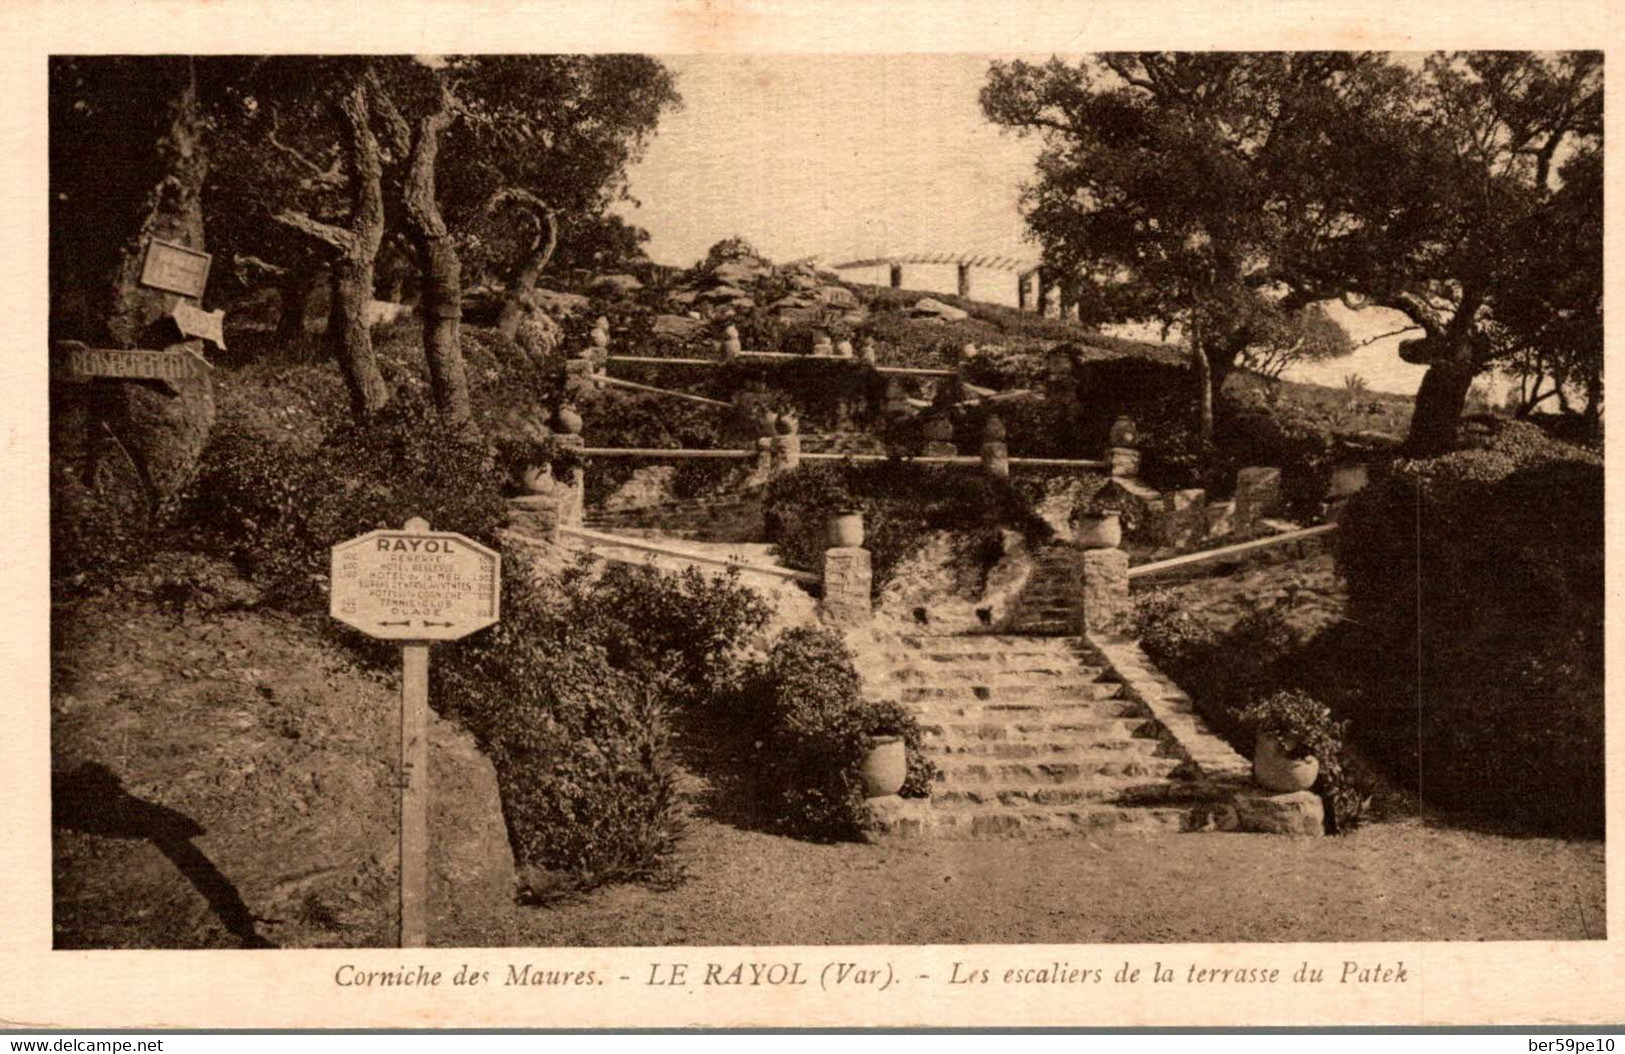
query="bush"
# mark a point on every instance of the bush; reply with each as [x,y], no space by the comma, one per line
[902,503]
[1478,576]
[656,423]
[276,512]
[581,748]
[805,707]
[1245,676]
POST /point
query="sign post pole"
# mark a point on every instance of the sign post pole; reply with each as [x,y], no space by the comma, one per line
[415,586]
[414,794]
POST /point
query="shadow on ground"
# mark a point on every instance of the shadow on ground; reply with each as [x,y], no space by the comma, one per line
[92,800]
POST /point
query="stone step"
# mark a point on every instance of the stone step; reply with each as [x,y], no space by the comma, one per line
[1079,769]
[1015,692]
[1129,789]
[992,675]
[1046,627]
[1110,755]
[916,818]
[1031,652]
[939,712]
[1081,727]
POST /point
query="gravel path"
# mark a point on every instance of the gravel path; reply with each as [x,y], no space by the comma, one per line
[1398,881]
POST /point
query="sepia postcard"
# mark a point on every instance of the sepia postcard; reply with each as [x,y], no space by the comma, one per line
[767,514]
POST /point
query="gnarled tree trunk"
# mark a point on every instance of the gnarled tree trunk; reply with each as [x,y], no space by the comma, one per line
[441,275]
[355,255]
[1440,402]
[541,251]
[156,435]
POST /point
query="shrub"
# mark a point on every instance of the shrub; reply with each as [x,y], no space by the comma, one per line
[581,747]
[686,626]
[656,423]
[276,512]
[901,503]
[1245,677]
[1479,577]
[804,703]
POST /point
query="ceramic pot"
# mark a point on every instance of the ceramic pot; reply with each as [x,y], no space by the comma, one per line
[1275,770]
[845,530]
[1099,532]
[885,766]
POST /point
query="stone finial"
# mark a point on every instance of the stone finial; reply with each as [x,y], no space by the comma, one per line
[600,332]
[968,352]
[729,347]
[843,349]
[1122,433]
[868,353]
[993,430]
[566,419]
[822,347]
[789,423]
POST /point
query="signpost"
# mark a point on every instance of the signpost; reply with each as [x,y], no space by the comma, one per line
[175,269]
[416,586]
[76,363]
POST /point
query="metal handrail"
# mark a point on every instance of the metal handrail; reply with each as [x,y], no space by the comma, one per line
[1229,550]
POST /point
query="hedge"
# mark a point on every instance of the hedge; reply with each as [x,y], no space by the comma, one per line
[1478,578]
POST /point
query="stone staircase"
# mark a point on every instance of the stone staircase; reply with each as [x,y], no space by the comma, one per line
[1033,736]
[1046,604]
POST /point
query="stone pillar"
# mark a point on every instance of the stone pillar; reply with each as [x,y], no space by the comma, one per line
[1125,461]
[848,577]
[939,437]
[1060,380]
[1120,448]
[786,446]
[964,280]
[580,379]
[897,276]
[1258,494]
[1184,517]
[995,451]
[1104,606]
[728,348]
[1023,290]
[1043,291]
[567,434]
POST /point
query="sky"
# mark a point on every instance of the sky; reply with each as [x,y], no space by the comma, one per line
[853,156]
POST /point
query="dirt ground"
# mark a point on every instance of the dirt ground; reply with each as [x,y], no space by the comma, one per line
[1387,882]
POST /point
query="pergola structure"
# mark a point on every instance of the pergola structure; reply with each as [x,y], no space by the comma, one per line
[1061,296]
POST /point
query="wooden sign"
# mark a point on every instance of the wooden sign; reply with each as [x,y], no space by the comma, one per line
[74,361]
[196,322]
[175,269]
[415,585]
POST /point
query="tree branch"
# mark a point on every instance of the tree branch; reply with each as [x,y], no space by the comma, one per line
[336,237]
[1384,336]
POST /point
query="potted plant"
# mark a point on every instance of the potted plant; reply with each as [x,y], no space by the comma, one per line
[845,527]
[884,767]
[1294,734]
[1098,522]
